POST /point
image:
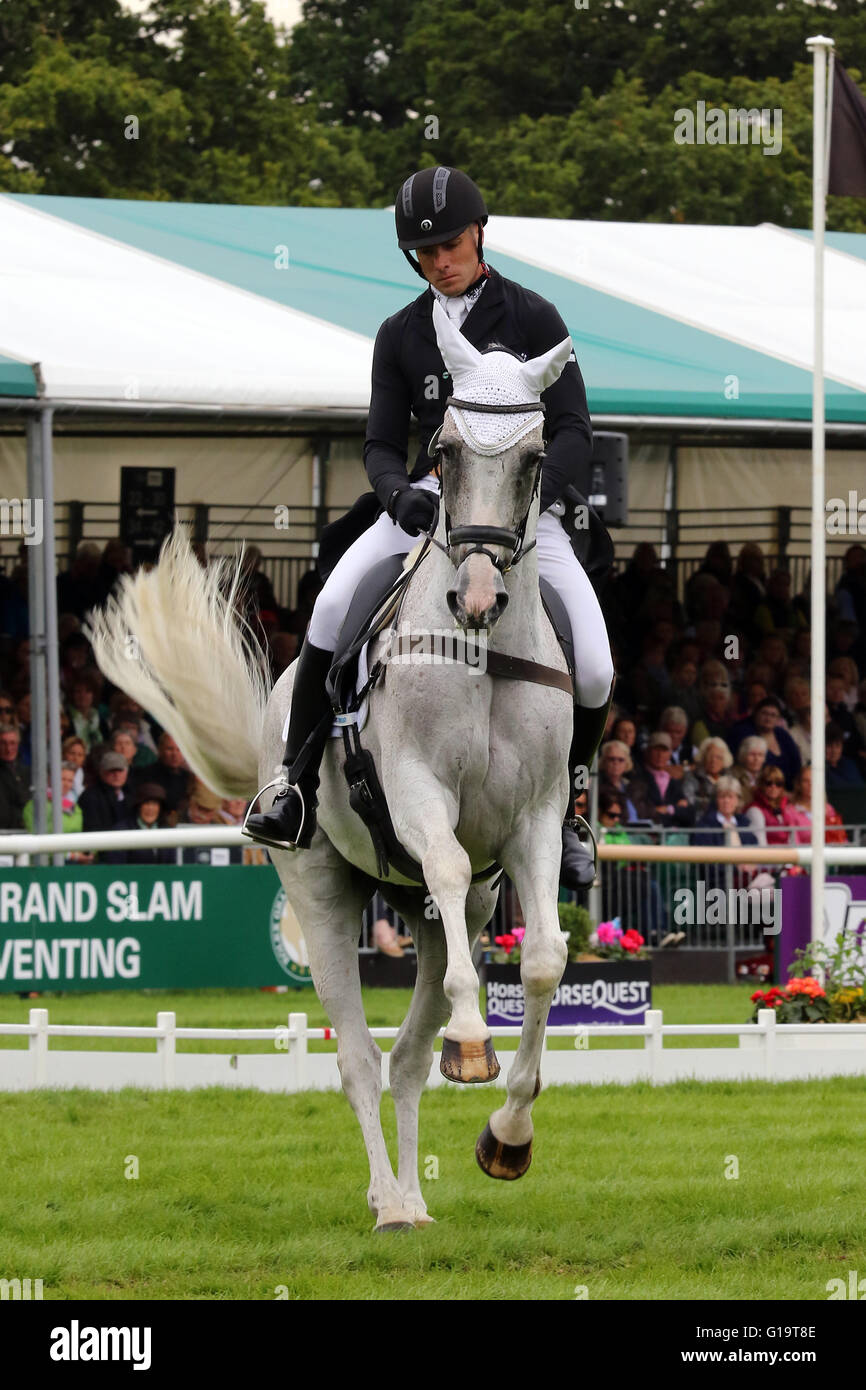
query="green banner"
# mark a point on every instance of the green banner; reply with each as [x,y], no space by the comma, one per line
[137,927]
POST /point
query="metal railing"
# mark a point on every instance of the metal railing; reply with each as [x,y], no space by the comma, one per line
[681,535]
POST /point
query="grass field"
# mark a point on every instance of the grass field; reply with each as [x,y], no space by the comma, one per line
[240,1194]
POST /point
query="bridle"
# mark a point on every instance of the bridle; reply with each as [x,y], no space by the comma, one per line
[476,536]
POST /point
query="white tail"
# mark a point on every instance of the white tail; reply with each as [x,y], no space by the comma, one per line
[172,638]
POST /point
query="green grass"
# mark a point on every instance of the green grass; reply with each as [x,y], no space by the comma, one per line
[239,1193]
[249,1008]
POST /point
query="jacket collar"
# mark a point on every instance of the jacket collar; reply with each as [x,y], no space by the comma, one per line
[481,319]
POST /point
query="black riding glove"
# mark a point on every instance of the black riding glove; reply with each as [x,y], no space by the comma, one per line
[416,510]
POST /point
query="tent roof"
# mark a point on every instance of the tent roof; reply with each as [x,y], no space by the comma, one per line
[209,304]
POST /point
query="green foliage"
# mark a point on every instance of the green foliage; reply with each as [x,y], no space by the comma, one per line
[575,920]
[841,963]
[556,111]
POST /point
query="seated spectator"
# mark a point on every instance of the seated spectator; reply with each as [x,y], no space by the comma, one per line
[14,779]
[683,687]
[777,613]
[769,814]
[171,773]
[122,742]
[767,723]
[657,795]
[627,886]
[116,561]
[713,760]
[614,766]
[7,709]
[206,807]
[801,808]
[841,770]
[840,714]
[87,719]
[125,710]
[76,587]
[748,589]
[844,670]
[751,757]
[675,723]
[724,823]
[147,814]
[72,818]
[714,690]
[107,801]
[625,731]
[309,588]
[22,719]
[282,650]
[74,752]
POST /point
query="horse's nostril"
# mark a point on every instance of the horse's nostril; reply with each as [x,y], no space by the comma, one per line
[501,603]
[453,606]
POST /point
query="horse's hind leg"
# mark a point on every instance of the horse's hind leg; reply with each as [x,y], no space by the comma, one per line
[329,900]
[532,860]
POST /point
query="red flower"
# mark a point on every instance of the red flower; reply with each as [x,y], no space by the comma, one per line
[507,942]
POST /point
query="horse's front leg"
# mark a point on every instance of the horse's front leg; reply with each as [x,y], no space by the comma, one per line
[532,860]
[427,830]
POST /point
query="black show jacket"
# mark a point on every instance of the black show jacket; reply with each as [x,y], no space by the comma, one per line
[406,360]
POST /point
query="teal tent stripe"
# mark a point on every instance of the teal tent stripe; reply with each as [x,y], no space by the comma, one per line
[16,378]
[341,265]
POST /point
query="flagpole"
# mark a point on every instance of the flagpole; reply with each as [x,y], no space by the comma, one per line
[820,47]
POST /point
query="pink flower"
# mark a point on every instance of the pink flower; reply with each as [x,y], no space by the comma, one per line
[607,933]
[518,934]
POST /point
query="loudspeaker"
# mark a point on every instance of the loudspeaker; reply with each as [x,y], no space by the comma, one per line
[604,481]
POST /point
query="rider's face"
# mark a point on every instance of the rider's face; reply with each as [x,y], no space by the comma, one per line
[452,266]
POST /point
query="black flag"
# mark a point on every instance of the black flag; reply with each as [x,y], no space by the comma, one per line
[847,137]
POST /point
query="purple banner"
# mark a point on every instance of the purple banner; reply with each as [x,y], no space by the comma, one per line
[844,908]
[589,992]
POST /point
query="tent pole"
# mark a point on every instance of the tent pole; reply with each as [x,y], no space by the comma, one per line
[36,607]
[820,47]
[49,552]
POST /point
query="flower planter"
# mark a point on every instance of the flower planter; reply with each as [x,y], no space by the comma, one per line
[589,992]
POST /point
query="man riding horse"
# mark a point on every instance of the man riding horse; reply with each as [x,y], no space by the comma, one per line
[440,213]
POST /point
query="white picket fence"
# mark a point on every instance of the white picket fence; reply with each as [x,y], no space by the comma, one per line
[768,1051]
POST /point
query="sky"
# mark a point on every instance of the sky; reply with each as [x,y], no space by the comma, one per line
[283,12]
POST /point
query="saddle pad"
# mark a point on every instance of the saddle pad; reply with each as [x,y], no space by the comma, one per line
[363,672]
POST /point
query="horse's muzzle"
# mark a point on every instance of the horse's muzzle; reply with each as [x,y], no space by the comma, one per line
[478,596]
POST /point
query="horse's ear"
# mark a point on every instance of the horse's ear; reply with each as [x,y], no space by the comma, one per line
[543,371]
[458,353]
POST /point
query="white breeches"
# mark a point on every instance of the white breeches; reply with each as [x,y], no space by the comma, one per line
[557,563]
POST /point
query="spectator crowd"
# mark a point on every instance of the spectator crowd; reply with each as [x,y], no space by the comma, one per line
[120,770]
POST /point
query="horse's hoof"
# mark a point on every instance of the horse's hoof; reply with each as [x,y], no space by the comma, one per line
[394,1226]
[498,1160]
[468,1062]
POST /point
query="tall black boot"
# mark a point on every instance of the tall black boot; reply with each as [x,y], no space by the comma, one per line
[587,735]
[291,821]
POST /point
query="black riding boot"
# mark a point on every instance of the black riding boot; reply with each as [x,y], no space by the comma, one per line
[588,733]
[291,821]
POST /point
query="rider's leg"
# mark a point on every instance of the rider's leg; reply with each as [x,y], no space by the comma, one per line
[291,822]
[558,564]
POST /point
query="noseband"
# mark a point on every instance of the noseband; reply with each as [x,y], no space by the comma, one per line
[476,536]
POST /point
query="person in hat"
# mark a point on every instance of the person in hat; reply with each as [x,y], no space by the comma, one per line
[656,794]
[148,814]
[109,799]
[440,215]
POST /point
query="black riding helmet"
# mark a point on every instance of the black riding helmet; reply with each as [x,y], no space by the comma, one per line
[435,205]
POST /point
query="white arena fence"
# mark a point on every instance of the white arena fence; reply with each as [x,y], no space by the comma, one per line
[768,1051]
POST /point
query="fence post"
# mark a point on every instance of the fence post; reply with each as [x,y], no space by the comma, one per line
[654,1044]
[297,1052]
[768,1018]
[38,1046]
[167,1047]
